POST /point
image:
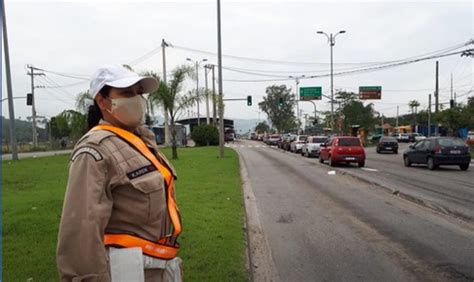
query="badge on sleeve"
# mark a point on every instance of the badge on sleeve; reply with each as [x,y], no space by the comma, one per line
[87,150]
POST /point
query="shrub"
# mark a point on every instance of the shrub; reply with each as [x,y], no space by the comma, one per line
[205,134]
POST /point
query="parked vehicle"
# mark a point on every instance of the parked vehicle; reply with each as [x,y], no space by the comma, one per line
[297,144]
[342,149]
[403,137]
[436,151]
[414,137]
[312,146]
[287,142]
[470,138]
[387,143]
[273,140]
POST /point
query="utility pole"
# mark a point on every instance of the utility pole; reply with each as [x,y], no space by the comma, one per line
[165,112]
[396,123]
[381,126]
[11,111]
[33,107]
[197,92]
[197,62]
[206,67]
[451,86]
[437,90]
[214,108]
[219,70]
[429,115]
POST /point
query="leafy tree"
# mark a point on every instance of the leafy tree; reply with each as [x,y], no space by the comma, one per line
[262,127]
[278,105]
[453,119]
[353,112]
[414,104]
[70,124]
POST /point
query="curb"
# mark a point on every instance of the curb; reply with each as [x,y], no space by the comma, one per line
[260,263]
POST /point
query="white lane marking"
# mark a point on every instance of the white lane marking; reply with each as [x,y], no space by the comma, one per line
[257,146]
[332,172]
[369,169]
[250,146]
[242,146]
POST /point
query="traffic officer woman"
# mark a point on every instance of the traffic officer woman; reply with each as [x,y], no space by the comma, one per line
[120,191]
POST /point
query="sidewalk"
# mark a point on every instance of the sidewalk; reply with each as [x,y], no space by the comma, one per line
[8,157]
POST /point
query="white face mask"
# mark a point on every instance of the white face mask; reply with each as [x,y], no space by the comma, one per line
[129,111]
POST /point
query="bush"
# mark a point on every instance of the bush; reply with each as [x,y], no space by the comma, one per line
[205,134]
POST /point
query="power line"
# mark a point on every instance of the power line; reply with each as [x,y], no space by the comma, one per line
[75,76]
[457,46]
[148,55]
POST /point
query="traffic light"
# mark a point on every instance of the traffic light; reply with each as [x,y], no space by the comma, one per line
[451,103]
[280,102]
[29,99]
[249,100]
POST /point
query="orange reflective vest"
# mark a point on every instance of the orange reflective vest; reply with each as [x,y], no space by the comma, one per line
[167,247]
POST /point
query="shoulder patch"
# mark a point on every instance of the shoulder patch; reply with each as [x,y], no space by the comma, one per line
[87,150]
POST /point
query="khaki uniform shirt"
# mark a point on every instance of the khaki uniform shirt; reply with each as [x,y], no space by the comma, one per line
[111,188]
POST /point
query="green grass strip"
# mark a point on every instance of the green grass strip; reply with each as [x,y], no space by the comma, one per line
[209,197]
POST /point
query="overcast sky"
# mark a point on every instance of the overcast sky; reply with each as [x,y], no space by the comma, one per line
[76,37]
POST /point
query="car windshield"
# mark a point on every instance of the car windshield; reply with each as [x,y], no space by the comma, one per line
[319,140]
[450,142]
[388,139]
[303,138]
[349,142]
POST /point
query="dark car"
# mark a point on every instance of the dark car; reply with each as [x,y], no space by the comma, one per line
[387,144]
[287,141]
[436,151]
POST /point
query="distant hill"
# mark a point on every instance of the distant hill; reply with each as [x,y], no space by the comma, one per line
[245,125]
[24,131]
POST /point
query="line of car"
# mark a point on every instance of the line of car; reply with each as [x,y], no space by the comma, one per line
[432,151]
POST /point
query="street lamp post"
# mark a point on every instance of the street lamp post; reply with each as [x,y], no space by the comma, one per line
[297,80]
[332,41]
[197,84]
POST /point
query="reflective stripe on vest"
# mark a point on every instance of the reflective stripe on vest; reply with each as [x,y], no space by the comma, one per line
[121,240]
[159,250]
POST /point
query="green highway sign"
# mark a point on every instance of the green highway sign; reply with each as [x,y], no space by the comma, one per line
[370,92]
[311,93]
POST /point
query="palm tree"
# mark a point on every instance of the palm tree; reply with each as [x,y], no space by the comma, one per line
[170,97]
[414,104]
[83,101]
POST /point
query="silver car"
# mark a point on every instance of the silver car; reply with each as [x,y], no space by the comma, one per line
[312,146]
[297,144]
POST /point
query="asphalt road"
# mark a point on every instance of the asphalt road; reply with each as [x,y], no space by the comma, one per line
[447,188]
[333,227]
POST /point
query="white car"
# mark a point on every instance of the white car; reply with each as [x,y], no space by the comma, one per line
[312,147]
[297,144]
[419,137]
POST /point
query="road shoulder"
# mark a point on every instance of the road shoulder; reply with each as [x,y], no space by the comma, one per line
[260,261]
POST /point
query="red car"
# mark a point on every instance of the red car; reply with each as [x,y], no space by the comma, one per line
[342,149]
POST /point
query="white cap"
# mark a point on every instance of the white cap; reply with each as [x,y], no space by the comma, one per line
[119,77]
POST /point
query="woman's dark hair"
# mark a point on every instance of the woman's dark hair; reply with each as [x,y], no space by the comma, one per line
[94,115]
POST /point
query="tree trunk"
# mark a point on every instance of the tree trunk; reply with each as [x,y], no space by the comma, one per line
[173,139]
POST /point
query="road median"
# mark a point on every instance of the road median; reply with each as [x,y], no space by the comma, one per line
[209,197]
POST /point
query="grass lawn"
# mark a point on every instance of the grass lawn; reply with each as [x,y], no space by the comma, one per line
[209,197]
